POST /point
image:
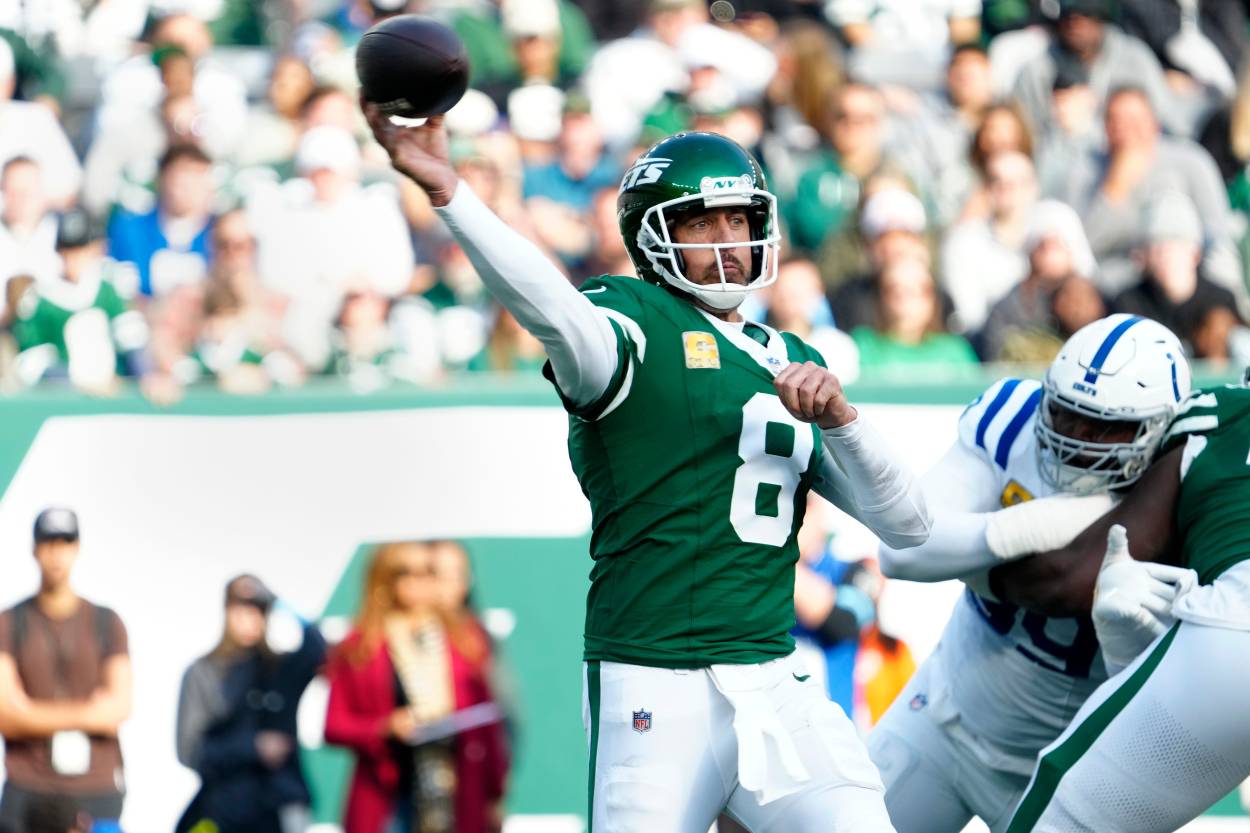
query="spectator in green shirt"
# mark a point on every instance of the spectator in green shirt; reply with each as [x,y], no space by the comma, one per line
[909,332]
[510,44]
[81,323]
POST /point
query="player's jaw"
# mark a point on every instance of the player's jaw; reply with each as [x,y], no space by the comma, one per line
[730,263]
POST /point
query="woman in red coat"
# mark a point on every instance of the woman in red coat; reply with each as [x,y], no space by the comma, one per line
[405,666]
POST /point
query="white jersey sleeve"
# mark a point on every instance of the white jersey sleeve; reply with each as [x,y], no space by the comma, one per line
[968,484]
[579,339]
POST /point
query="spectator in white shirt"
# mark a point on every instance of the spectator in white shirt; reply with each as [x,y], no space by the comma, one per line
[628,76]
[324,235]
[1111,188]
[27,226]
[983,259]
[31,130]
[135,89]
[903,42]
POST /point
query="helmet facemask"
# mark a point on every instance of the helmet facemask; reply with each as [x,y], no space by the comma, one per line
[666,255]
[1086,467]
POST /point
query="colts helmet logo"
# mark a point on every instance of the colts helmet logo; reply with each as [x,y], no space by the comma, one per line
[642,721]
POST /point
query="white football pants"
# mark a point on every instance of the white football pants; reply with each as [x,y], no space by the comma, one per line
[934,782]
[667,748]
[1154,746]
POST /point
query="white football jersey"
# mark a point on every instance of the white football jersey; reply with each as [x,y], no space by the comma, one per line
[1008,681]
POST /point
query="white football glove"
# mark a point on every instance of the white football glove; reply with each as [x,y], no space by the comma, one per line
[1133,601]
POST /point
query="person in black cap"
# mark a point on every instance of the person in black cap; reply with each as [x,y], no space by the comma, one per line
[91,288]
[1085,34]
[65,687]
[236,721]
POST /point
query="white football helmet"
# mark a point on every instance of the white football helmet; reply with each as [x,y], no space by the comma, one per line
[1127,373]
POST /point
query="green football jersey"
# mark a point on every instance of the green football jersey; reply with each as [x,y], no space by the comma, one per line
[697,478]
[46,310]
[1213,510]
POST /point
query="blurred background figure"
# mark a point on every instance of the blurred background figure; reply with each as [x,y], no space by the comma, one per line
[1172,289]
[65,688]
[301,229]
[897,42]
[982,259]
[60,814]
[236,721]
[509,347]
[1082,35]
[405,670]
[940,127]
[168,245]
[885,662]
[1110,189]
[1003,129]
[892,227]
[1025,325]
[796,304]
[909,332]
[829,185]
[80,322]
[833,608]
[31,130]
[27,223]
[558,195]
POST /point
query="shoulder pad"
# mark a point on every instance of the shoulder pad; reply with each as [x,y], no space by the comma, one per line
[996,418]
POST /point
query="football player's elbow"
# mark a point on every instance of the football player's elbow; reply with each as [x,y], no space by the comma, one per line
[895,562]
[901,530]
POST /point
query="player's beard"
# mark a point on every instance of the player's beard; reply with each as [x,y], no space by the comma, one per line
[712,274]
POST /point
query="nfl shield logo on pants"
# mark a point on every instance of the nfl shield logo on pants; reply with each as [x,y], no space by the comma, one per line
[642,721]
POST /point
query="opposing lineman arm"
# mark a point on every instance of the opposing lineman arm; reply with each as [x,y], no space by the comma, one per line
[1060,583]
[968,536]
[579,339]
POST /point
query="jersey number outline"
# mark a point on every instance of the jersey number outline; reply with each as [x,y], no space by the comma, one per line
[1077,659]
[776,451]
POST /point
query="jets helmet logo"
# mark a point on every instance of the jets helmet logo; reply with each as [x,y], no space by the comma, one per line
[645,171]
[712,184]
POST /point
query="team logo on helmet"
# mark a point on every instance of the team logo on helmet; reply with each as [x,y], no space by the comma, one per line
[642,721]
[712,184]
[645,171]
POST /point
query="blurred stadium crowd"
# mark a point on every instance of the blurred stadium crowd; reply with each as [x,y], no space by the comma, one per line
[188,195]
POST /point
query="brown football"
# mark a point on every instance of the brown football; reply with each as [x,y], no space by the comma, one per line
[412,66]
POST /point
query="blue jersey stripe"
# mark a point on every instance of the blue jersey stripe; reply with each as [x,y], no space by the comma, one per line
[1014,427]
[1000,400]
[1104,349]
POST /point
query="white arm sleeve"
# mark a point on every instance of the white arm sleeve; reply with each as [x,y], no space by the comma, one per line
[956,487]
[966,540]
[861,476]
[579,339]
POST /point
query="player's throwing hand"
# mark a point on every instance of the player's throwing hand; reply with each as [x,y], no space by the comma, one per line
[813,394]
[420,153]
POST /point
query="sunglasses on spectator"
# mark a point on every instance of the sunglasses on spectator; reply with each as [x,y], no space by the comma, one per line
[412,572]
[855,118]
[234,243]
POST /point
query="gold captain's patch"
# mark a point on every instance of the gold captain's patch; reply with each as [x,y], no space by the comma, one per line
[701,350]
[1014,493]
